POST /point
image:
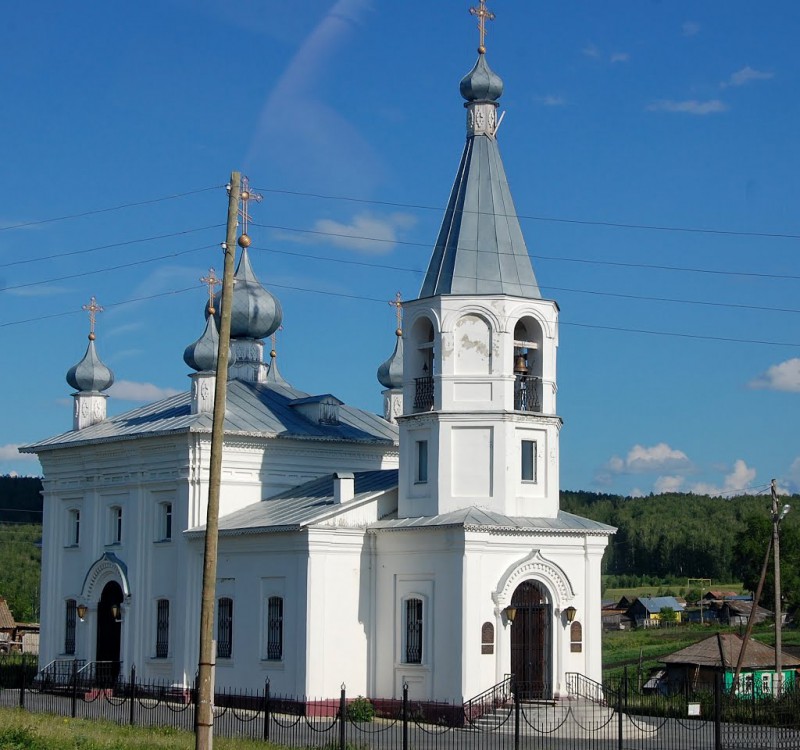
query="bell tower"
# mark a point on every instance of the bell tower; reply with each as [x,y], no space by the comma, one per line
[479,425]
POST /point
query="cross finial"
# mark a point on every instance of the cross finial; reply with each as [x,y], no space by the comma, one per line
[483,14]
[397,304]
[247,195]
[211,281]
[92,308]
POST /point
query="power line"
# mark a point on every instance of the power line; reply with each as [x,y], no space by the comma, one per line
[554,219]
[109,209]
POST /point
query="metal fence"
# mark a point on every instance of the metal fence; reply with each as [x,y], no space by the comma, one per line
[611,717]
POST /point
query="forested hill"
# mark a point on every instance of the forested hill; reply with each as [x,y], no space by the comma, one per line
[20,499]
[685,535]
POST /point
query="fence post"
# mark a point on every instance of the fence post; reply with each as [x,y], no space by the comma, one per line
[621,688]
[516,715]
[342,719]
[405,715]
[718,711]
[266,709]
[74,688]
[132,690]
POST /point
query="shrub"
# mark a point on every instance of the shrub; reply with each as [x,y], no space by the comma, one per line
[360,709]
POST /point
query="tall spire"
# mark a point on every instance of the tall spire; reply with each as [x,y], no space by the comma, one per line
[480,248]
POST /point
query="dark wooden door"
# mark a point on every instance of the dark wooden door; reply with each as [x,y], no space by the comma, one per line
[531,642]
[109,635]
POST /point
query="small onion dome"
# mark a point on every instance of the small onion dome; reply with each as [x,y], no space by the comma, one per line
[481,84]
[390,373]
[90,374]
[202,354]
[255,313]
[273,374]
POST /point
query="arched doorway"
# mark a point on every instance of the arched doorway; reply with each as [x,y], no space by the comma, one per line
[531,642]
[109,633]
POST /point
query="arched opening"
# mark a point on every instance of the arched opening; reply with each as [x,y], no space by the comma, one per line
[422,354]
[109,634]
[473,345]
[531,641]
[527,365]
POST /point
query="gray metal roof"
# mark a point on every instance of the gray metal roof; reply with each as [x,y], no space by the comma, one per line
[478,519]
[654,604]
[480,249]
[303,505]
[252,409]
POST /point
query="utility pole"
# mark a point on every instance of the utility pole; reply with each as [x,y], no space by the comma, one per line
[204,730]
[776,519]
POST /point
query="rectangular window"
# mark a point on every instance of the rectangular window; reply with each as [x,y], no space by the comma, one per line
[275,628]
[115,519]
[166,521]
[528,460]
[162,629]
[75,527]
[421,473]
[225,628]
[413,650]
[69,627]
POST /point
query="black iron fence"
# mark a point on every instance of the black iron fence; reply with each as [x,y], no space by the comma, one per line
[610,716]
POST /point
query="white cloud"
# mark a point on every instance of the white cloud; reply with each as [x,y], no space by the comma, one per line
[365,233]
[668,483]
[551,100]
[782,377]
[636,492]
[690,28]
[9,452]
[735,483]
[619,57]
[747,75]
[688,106]
[644,460]
[128,390]
[591,50]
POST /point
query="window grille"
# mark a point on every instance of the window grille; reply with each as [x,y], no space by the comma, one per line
[162,629]
[225,628]
[576,638]
[487,638]
[275,628]
[69,629]
[413,631]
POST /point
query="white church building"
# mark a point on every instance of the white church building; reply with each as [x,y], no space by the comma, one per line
[422,546]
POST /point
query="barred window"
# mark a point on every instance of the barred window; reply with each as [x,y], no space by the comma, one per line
[69,626]
[225,628]
[487,638]
[576,638]
[162,629]
[413,650]
[275,628]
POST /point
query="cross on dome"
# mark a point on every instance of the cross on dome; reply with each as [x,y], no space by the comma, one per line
[397,303]
[211,281]
[483,14]
[93,308]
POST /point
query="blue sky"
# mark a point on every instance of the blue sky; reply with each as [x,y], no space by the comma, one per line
[651,149]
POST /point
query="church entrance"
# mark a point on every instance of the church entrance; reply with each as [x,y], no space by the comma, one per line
[109,634]
[531,641]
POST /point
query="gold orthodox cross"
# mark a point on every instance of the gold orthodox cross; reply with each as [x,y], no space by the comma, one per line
[397,304]
[211,281]
[483,14]
[246,196]
[93,308]
[274,337]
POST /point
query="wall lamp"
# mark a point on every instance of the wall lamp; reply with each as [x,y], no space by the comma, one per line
[81,609]
[570,613]
[511,613]
[116,613]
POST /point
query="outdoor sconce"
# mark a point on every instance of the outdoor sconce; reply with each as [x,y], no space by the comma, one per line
[81,609]
[116,613]
[570,613]
[511,613]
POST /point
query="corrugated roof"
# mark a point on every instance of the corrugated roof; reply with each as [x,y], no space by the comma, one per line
[723,651]
[654,604]
[305,504]
[252,409]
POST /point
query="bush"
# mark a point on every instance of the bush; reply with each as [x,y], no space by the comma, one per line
[360,709]
[18,738]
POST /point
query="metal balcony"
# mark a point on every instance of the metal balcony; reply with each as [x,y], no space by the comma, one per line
[526,393]
[423,394]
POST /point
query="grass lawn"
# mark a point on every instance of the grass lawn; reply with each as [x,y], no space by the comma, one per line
[678,589]
[20,730]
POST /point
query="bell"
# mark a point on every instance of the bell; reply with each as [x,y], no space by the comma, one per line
[521,365]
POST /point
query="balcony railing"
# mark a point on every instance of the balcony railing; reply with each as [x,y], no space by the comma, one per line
[526,393]
[423,394]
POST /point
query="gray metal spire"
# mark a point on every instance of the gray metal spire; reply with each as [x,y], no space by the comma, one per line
[480,248]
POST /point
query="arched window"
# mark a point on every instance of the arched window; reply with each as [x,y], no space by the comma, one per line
[422,354]
[487,638]
[225,628]
[576,638]
[527,365]
[472,339]
[275,628]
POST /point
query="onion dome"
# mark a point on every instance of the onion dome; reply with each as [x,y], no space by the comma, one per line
[202,354]
[90,374]
[390,373]
[481,84]
[255,313]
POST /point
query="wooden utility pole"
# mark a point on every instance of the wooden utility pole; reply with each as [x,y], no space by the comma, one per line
[204,725]
[776,548]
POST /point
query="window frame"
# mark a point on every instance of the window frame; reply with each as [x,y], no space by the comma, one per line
[162,628]
[225,627]
[70,626]
[529,449]
[74,527]
[421,461]
[413,630]
[275,628]
[115,522]
[165,519]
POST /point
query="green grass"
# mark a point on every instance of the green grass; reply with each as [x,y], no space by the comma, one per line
[676,589]
[20,730]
